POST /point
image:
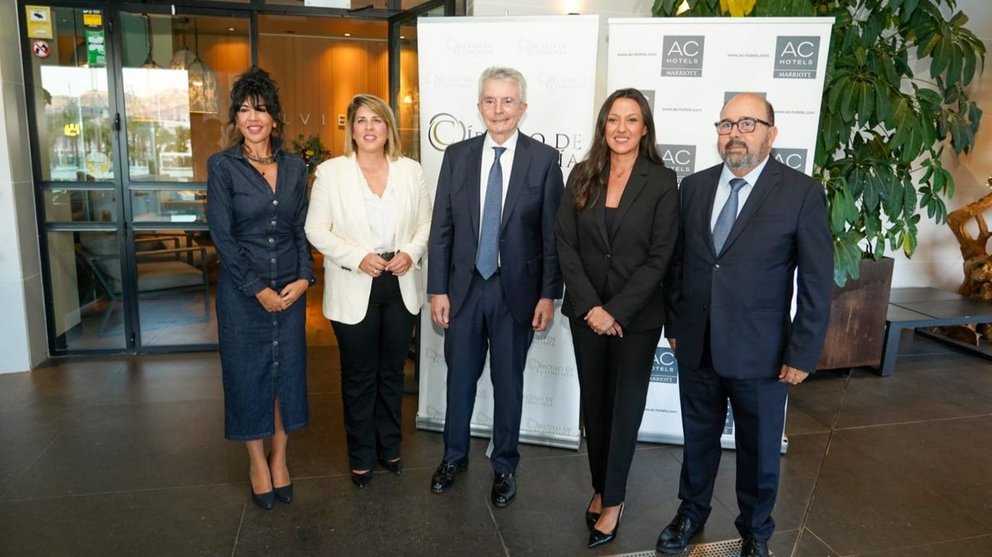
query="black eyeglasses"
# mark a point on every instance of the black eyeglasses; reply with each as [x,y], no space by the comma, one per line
[744,125]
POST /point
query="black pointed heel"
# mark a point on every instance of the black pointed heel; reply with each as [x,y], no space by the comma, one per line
[591,517]
[361,480]
[284,494]
[597,538]
[265,500]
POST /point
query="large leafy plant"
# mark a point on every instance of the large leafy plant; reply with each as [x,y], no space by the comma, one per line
[895,98]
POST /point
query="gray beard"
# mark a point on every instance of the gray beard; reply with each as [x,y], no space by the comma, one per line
[739,161]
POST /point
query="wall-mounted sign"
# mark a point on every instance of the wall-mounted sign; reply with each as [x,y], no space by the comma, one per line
[40,48]
[39,21]
[96,50]
[92,18]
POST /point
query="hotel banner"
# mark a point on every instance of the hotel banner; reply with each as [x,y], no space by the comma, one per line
[557,56]
[688,68]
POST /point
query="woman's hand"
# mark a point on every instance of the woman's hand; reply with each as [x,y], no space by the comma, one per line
[271,300]
[399,264]
[602,323]
[292,291]
[373,265]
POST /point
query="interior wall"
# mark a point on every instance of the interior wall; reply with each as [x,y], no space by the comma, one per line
[23,336]
[317,78]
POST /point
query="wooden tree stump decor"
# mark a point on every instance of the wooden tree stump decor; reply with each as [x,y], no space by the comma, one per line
[977,261]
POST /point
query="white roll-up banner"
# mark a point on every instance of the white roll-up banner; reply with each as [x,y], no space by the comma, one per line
[688,68]
[557,56]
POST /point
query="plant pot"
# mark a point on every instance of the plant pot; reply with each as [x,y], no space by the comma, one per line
[857,318]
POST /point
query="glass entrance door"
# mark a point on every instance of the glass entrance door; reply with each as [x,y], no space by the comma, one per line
[123,124]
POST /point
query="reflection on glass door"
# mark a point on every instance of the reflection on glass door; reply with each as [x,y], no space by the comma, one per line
[79,183]
[174,71]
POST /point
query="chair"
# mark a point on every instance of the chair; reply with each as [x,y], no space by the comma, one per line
[165,266]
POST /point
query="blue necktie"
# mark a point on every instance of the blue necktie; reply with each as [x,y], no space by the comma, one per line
[488,258]
[725,220]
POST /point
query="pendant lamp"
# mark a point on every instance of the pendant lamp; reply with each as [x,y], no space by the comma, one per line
[149,61]
[203,90]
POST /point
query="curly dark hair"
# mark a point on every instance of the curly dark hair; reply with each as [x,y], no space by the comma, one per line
[259,90]
[589,175]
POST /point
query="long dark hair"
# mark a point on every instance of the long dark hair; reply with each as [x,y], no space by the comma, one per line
[590,178]
[256,87]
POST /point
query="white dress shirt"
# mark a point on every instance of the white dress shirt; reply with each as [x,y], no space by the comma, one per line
[382,216]
[723,190]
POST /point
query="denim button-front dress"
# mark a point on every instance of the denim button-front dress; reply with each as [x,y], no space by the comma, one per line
[259,238]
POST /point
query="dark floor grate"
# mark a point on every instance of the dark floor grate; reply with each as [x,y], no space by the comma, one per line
[730,548]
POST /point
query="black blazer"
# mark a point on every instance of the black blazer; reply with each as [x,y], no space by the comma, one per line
[745,293]
[632,263]
[528,258]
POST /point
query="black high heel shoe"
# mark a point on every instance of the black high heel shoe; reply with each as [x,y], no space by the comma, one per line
[394,466]
[361,480]
[265,500]
[591,517]
[284,494]
[597,538]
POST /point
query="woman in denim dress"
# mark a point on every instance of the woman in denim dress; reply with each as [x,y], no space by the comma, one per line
[256,207]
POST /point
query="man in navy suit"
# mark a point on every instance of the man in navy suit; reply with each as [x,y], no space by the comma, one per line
[493,271]
[751,229]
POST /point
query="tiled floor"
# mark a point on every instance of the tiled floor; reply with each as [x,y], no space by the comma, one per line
[125,456]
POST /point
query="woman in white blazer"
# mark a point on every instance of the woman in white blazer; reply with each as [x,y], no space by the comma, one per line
[370,216]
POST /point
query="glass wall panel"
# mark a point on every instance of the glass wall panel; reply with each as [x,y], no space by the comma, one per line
[71,99]
[177,271]
[75,205]
[169,205]
[86,309]
[176,77]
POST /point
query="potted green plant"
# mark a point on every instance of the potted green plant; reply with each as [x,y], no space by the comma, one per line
[894,99]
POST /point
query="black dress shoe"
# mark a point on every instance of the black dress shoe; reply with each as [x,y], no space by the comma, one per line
[361,480]
[394,466]
[444,475]
[753,548]
[265,500]
[591,517]
[284,494]
[597,538]
[504,490]
[677,535]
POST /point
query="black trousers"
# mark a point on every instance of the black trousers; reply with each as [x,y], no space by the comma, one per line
[614,374]
[373,352]
[759,419]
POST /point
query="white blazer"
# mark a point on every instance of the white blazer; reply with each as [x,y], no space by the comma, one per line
[338,226]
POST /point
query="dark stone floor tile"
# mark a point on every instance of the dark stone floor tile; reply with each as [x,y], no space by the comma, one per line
[13,386]
[167,378]
[72,382]
[323,370]
[863,504]
[813,405]
[201,520]
[799,471]
[971,547]
[783,541]
[947,457]
[808,545]
[391,516]
[931,388]
[131,447]
[26,433]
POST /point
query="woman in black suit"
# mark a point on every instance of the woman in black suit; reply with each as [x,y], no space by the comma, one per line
[617,228]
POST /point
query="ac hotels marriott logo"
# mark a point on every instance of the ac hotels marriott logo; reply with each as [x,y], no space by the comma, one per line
[682,56]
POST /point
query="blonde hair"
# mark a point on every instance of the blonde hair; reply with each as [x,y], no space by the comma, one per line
[392,149]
